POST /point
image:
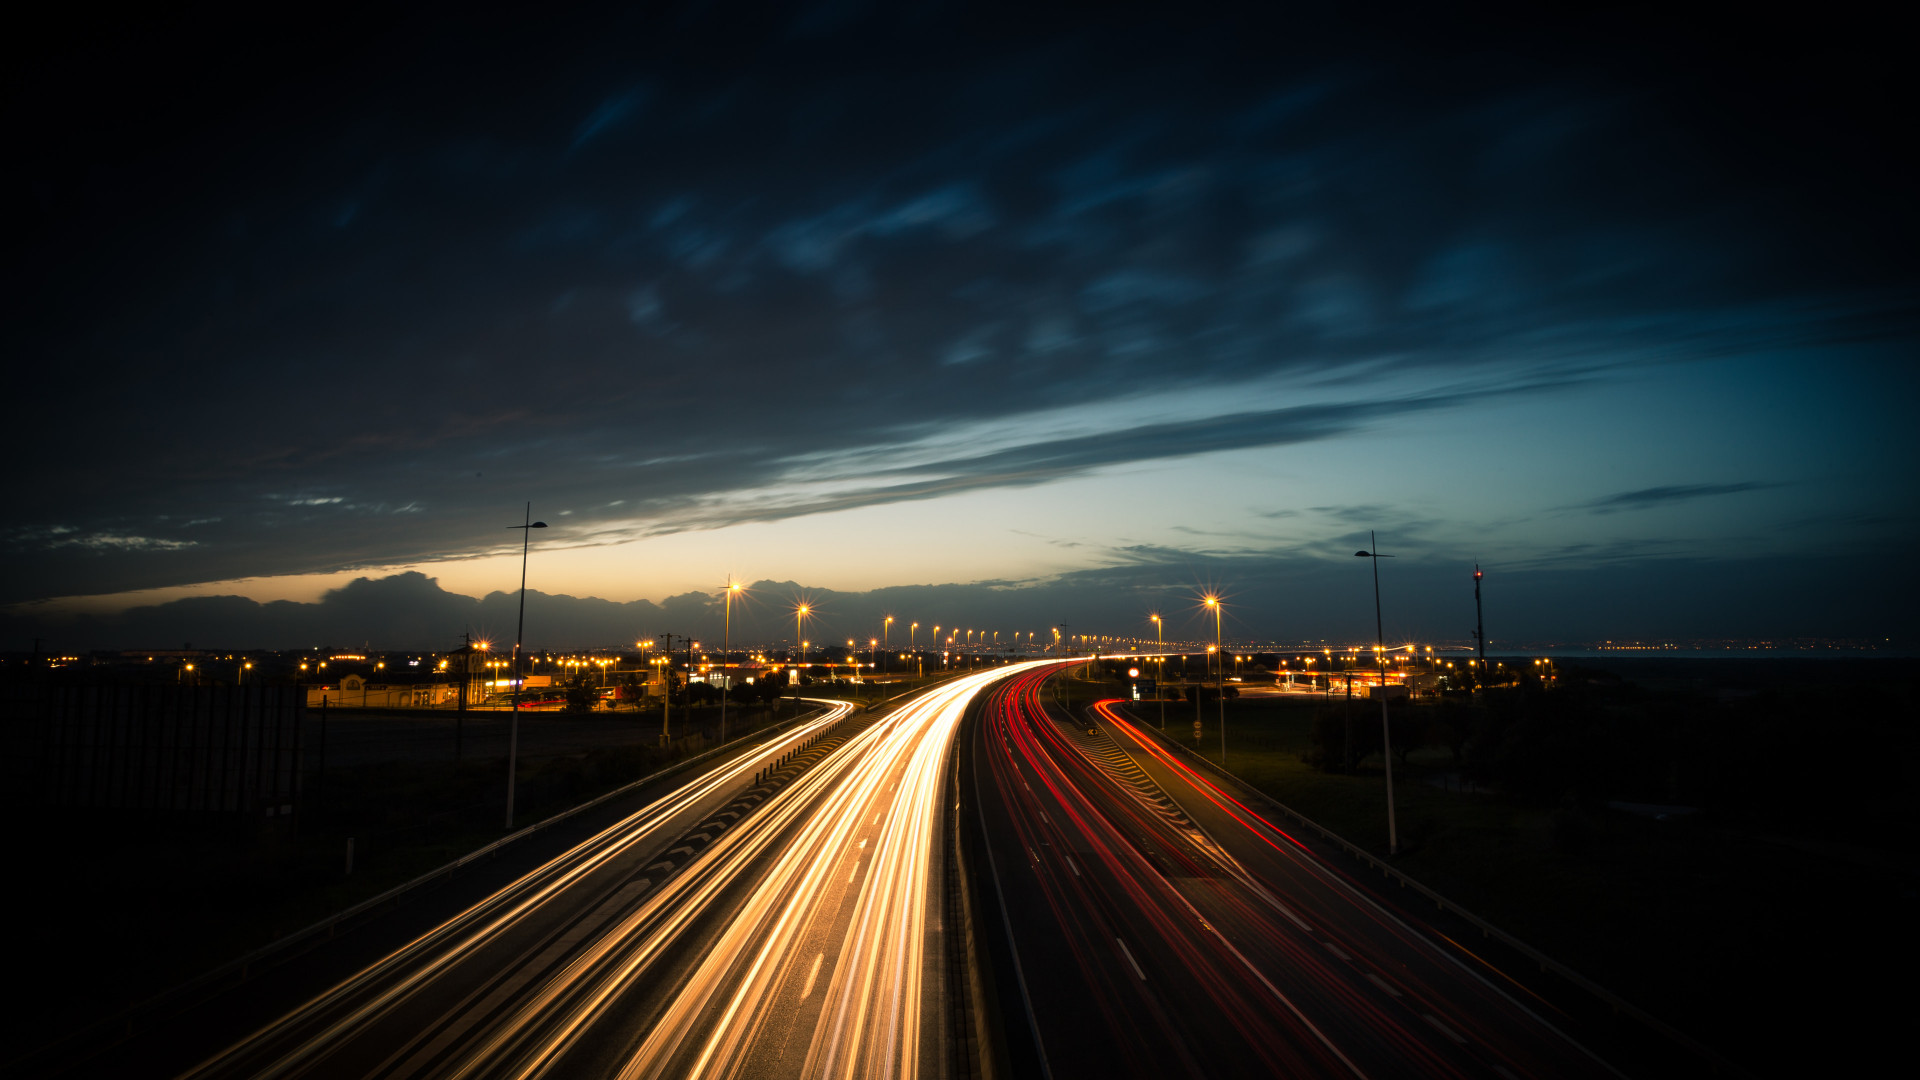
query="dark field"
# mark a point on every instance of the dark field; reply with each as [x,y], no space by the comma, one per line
[1762,914]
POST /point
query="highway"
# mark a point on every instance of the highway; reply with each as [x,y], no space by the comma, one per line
[1161,927]
[783,914]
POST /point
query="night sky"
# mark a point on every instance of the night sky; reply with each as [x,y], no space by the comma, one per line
[1070,314]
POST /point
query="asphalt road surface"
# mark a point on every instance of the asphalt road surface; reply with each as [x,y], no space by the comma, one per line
[783,914]
[1162,928]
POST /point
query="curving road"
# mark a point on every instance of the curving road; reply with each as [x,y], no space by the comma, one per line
[1161,927]
[783,914]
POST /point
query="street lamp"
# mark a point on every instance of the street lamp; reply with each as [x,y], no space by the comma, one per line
[800,613]
[513,735]
[1380,650]
[1160,661]
[726,649]
[1479,620]
[1220,680]
[886,633]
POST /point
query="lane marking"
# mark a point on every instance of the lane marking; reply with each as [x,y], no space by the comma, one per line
[1129,956]
[1336,950]
[1444,1029]
[1285,910]
[1502,1070]
[856,872]
[812,975]
[1383,984]
[1339,885]
[1070,866]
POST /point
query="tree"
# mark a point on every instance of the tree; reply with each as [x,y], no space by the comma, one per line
[580,694]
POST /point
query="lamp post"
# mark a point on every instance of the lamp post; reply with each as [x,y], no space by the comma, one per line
[886,637]
[800,613]
[513,732]
[1479,621]
[1380,650]
[1160,661]
[726,649]
[1220,679]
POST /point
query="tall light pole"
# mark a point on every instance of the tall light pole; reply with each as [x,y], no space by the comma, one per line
[513,732]
[1479,622]
[886,636]
[726,647]
[799,615]
[1380,650]
[1160,660]
[1220,680]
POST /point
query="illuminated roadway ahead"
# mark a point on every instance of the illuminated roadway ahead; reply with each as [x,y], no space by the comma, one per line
[1162,928]
[799,933]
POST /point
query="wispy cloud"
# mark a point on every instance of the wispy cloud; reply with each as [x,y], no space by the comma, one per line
[1667,495]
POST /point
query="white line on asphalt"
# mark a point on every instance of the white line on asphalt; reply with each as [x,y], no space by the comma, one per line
[1335,950]
[1383,984]
[1129,956]
[1444,1029]
[812,975]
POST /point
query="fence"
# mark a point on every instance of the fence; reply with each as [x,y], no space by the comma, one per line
[214,750]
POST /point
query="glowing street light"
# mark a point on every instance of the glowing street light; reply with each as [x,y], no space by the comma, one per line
[1220,680]
[726,650]
[800,613]
[1160,663]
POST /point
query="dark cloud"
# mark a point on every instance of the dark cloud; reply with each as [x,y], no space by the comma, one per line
[346,301]
[1327,595]
[1669,494]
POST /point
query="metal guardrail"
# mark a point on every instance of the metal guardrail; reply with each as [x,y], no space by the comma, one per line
[1547,964]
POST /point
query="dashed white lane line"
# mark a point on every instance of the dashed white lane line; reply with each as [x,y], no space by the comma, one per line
[1444,1029]
[1070,866]
[1383,984]
[812,975]
[1337,951]
[1129,955]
